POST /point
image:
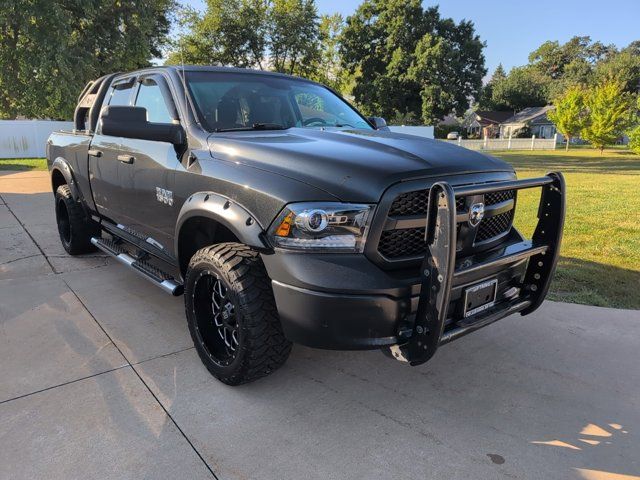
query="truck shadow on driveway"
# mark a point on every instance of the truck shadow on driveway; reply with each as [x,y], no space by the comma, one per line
[481,400]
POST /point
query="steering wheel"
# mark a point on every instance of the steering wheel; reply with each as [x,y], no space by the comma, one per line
[311,120]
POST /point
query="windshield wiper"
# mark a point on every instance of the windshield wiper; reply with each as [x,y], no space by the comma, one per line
[255,126]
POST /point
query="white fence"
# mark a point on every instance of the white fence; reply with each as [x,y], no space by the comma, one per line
[27,138]
[426,132]
[532,143]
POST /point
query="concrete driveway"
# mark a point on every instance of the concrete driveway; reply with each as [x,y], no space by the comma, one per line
[98,379]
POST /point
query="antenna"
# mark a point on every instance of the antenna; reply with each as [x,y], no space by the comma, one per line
[184,83]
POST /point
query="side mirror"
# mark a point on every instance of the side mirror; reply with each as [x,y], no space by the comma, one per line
[379,123]
[131,122]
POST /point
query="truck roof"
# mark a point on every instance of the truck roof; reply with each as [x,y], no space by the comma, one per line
[214,68]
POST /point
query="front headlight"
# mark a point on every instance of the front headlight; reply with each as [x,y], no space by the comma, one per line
[331,227]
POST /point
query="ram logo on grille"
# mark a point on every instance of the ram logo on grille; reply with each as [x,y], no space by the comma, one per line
[476,214]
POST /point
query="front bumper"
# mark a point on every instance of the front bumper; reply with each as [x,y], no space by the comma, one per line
[346,302]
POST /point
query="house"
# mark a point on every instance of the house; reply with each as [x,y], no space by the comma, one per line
[533,119]
[485,123]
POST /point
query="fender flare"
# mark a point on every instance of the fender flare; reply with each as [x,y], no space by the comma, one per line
[223,210]
[62,166]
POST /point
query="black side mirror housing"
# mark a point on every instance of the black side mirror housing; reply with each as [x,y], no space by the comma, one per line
[379,123]
[131,122]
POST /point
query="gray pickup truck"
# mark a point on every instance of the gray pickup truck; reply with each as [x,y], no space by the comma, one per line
[284,215]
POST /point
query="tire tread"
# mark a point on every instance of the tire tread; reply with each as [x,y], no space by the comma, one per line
[265,347]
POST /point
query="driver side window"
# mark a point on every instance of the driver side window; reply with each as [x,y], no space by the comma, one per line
[150,96]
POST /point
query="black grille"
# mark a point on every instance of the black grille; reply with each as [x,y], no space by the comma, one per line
[402,243]
[416,203]
[499,197]
[410,203]
[494,226]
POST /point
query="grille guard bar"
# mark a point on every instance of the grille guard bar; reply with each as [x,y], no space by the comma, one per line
[438,266]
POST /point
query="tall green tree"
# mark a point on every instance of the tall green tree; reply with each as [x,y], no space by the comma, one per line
[281,35]
[329,70]
[409,60]
[623,66]
[486,96]
[523,87]
[609,113]
[569,115]
[634,132]
[554,60]
[50,48]
[294,36]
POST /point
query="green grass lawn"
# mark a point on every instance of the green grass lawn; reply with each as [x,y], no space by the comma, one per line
[23,164]
[600,256]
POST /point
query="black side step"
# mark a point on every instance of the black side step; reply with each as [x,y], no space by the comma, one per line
[145,269]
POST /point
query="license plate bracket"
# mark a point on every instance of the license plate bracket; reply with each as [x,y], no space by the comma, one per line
[480,297]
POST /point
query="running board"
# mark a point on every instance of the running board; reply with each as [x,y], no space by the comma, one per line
[156,276]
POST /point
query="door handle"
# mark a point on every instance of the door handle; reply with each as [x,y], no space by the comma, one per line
[95,153]
[126,158]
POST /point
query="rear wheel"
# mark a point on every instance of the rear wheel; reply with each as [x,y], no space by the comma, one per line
[232,314]
[74,228]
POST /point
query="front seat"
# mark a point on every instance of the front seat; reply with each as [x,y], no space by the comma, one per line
[227,113]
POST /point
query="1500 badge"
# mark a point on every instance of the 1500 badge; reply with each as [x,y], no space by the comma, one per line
[164,196]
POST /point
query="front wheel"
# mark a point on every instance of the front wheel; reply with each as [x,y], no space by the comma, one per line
[232,314]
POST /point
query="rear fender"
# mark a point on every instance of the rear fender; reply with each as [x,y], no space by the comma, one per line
[61,166]
[225,211]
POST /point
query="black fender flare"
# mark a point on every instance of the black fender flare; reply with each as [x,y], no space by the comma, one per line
[225,211]
[62,166]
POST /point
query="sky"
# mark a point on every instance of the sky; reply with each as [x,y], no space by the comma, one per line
[512,29]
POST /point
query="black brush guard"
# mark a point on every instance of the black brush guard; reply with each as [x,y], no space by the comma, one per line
[438,266]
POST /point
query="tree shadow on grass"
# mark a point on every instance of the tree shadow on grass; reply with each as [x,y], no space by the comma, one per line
[610,164]
[22,164]
[591,283]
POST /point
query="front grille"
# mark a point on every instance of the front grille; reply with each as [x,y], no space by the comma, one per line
[494,226]
[410,203]
[499,197]
[402,243]
[416,203]
[409,242]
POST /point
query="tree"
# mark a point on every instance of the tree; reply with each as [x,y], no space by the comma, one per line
[634,133]
[408,60]
[486,96]
[294,36]
[609,113]
[523,87]
[569,113]
[634,139]
[282,35]
[49,49]
[623,66]
[553,60]
[329,70]
[231,32]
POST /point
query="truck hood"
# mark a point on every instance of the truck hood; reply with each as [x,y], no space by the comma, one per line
[352,165]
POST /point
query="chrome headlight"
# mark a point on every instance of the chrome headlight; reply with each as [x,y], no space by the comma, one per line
[331,227]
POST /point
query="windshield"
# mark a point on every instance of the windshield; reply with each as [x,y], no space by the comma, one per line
[237,101]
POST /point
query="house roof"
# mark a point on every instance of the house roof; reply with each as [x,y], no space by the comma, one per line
[531,114]
[492,116]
